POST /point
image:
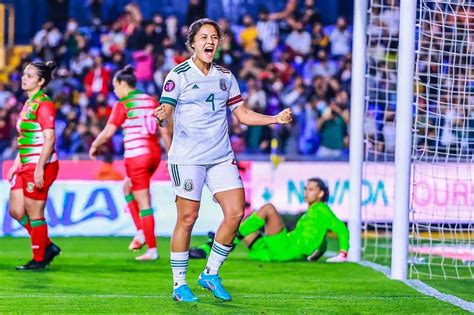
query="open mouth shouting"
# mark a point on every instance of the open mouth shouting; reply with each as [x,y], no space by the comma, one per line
[209,51]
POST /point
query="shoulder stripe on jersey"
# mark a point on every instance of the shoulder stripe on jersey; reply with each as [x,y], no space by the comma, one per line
[181,66]
[183,70]
[168,100]
[222,69]
[234,100]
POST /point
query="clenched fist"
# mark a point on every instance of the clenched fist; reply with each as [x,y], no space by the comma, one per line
[284,117]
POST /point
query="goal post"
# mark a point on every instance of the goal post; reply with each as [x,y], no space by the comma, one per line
[403,136]
[417,136]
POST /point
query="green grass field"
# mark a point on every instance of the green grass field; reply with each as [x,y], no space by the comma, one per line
[98,275]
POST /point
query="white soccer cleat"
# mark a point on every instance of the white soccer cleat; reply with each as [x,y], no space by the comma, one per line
[137,242]
[340,258]
[151,254]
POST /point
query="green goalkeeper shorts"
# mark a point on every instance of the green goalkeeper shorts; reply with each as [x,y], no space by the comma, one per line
[276,247]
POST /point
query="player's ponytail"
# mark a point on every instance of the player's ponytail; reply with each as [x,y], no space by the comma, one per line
[127,74]
[45,70]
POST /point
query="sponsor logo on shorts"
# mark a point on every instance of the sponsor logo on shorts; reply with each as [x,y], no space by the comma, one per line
[30,187]
[169,85]
[188,185]
[222,85]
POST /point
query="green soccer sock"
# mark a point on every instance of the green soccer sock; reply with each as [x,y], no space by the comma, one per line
[252,224]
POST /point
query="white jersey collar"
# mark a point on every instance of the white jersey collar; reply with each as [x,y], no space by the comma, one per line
[195,67]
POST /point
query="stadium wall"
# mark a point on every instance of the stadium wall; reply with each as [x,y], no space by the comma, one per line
[79,205]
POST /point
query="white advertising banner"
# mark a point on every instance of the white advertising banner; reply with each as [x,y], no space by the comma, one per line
[440,193]
[78,207]
[284,187]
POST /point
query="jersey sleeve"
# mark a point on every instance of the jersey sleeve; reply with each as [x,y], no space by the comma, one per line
[235,99]
[46,115]
[332,223]
[171,89]
[118,114]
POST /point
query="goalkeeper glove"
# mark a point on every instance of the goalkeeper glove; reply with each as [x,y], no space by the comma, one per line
[342,257]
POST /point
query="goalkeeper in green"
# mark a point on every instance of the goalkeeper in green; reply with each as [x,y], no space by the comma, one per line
[306,242]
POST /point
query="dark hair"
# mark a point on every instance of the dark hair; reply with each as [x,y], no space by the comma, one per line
[127,74]
[45,70]
[322,185]
[196,26]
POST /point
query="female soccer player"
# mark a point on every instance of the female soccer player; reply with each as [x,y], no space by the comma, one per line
[36,166]
[200,92]
[134,113]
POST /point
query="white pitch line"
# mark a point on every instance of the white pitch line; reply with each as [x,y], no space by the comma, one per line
[259,296]
[424,288]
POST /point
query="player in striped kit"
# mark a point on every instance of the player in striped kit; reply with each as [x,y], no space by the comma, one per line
[200,92]
[36,166]
[134,113]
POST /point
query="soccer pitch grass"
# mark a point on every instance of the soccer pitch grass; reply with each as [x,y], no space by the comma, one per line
[97,275]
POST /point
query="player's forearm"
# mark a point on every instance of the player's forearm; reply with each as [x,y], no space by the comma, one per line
[47,149]
[17,161]
[342,234]
[250,118]
[103,136]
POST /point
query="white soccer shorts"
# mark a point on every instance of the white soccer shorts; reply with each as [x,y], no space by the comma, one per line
[188,180]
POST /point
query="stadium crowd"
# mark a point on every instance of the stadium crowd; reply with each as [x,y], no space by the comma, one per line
[281,59]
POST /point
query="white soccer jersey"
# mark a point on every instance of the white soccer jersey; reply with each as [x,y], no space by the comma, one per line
[200,134]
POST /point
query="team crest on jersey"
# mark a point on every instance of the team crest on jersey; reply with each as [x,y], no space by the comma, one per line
[188,185]
[169,85]
[30,187]
[222,85]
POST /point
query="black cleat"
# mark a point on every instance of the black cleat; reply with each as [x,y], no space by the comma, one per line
[51,251]
[197,253]
[202,251]
[32,265]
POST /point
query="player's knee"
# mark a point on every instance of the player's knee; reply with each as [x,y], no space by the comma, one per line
[16,214]
[187,221]
[235,216]
[127,187]
[268,208]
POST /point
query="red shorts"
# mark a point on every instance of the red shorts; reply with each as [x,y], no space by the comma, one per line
[140,169]
[25,179]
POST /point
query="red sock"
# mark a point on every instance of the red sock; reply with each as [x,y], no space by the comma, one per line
[39,238]
[148,225]
[25,222]
[134,211]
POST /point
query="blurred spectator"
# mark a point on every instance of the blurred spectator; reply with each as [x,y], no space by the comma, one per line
[144,69]
[47,41]
[299,40]
[249,35]
[113,41]
[4,95]
[340,38]
[97,80]
[319,39]
[332,126]
[267,31]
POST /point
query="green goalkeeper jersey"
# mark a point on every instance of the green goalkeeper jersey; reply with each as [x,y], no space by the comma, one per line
[312,227]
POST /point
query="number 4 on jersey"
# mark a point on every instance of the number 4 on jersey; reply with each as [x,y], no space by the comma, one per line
[210,99]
